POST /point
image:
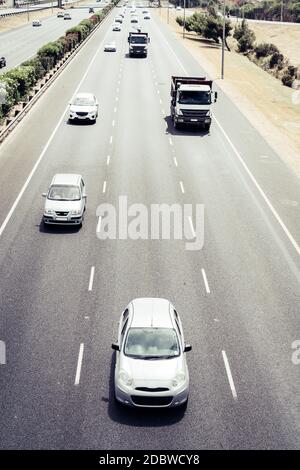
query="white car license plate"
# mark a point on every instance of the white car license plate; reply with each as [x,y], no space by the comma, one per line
[194,120]
[62,219]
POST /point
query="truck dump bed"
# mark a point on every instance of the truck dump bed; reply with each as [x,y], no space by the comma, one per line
[176,81]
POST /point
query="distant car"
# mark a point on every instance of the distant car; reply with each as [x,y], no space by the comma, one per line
[110,47]
[145,12]
[91,10]
[60,14]
[67,16]
[134,20]
[178,8]
[36,23]
[2,62]
[118,20]
[151,368]
[147,17]
[84,107]
[65,200]
[116,27]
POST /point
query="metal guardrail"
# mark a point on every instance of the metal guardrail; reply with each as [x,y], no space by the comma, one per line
[48,79]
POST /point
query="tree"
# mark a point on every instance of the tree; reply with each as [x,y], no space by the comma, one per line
[244,36]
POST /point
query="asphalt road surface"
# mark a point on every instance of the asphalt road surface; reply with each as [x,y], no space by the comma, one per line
[238,297]
[20,44]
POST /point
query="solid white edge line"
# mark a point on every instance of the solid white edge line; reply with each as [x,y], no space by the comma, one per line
[104,187]
[79,364]
[229,375]
[205,281]
[18,198]
[256,184]
[260,190]
[91,281]
[181,187]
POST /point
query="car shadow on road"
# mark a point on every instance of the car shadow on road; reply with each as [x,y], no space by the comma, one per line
[139,416]
[184,131]
[80,122]
[58,229]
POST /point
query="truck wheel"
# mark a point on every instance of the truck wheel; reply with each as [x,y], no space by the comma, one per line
[206,127]
[175,124]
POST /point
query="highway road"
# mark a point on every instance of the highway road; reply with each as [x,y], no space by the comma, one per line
[62,290]
[19,44]
[40,6]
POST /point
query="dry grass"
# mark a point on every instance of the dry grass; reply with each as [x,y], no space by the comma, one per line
[270,107]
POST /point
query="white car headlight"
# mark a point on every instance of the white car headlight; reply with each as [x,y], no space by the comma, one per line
[178,379]
[75,212]
[49,211]
[125,378]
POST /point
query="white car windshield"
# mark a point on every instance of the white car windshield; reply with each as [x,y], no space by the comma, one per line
[151,343]
[64,193]
[194,97]
[83,101]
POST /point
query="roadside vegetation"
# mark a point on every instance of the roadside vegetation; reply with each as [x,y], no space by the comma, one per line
[270,10]
[16,84]
[208,26]
[265,55]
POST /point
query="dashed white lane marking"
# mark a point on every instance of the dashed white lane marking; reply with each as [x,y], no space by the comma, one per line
[192,227]
[108,160]
[175,161]
[98,229]
[205,281]
[104,187]
[91,281]
[118,90]
[117,99]
[115,109]
[182,187]
[160,101]
[170,140]
[79,364]
[113,123]
[110,140]
[229,375]
[158,92]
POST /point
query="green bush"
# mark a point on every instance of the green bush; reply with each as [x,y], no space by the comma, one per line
[275,59]
[264,49]
[244,36]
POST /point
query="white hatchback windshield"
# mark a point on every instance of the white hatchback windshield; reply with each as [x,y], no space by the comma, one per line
[152,343]
[64,193]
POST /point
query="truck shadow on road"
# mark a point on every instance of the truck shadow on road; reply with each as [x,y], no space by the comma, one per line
[184,131]
[139,416]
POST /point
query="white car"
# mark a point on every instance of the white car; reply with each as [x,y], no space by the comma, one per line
[151,368]
[110,47]
[147,17]
[118,19]
[65,200]
[60,14]
[116,27]
[84,106]
[67,16]
[178,8]
[36,23]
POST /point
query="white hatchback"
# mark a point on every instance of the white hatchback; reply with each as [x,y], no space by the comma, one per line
[151,368]
[65,200]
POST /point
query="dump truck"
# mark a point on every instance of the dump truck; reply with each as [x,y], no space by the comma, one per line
[191,101]
[138,44]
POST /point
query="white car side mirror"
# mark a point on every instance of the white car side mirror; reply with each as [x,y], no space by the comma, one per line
[44,194]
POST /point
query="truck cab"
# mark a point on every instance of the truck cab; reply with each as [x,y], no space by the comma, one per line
[138,44]
[191,101]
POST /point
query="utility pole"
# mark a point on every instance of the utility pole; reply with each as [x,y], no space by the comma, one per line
[223,40]
[168,10]
[281,11]
[183,32]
